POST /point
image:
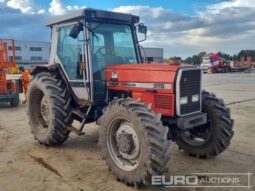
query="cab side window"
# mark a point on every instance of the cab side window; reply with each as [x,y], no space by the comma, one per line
[70,51]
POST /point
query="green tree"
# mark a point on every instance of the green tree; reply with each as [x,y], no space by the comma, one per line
[202,54]
[188,60]
[246,53]
[196,60]
[225,56]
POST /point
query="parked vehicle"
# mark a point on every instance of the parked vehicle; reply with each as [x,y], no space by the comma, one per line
[212,63]
[9,89]
[250,70]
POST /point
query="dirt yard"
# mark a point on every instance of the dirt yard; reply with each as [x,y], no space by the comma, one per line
[77,165]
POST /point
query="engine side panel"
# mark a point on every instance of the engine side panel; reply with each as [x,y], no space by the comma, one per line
[153,87]
[162,103]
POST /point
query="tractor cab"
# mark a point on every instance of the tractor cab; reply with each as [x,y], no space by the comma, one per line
[86,42]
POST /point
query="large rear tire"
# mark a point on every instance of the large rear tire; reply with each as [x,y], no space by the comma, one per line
[211,139]
[133,141]
[49,109]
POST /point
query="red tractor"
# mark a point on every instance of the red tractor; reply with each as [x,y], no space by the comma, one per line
[96,74]
[9,89]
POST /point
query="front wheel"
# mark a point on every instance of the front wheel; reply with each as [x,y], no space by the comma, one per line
[212,138]
[133,141]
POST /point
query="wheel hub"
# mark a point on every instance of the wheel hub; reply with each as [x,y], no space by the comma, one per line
[125,142]
[45,109]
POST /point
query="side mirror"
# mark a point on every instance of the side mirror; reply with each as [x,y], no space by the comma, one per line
[75,31]
[142,28]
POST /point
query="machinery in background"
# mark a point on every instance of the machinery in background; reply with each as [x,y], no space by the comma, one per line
[244,65]
[213,63]
[9,89]
[13,70]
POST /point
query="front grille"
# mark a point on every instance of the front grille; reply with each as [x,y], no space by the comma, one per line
[163,101]
[190,84]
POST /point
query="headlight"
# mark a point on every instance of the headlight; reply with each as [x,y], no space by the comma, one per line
[183,100]
[195,98]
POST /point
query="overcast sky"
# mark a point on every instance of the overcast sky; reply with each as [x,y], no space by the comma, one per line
[181,27]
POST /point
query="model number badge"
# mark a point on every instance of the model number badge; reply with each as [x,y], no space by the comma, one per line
[159,86]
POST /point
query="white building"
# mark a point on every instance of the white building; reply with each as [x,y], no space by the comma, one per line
[30,53]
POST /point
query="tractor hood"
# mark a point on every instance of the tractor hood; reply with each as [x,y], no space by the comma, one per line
[145,73]
[149,67]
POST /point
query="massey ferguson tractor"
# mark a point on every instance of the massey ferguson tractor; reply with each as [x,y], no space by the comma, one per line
[96,74]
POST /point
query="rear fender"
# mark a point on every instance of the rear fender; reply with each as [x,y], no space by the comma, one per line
[56,69]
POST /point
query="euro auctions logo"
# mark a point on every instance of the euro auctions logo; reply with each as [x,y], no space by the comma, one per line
[175,180]
[196,180]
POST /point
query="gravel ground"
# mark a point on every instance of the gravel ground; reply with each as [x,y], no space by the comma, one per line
[76,165]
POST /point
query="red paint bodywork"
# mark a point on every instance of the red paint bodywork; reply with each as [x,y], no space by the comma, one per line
[148,73]
[6,86]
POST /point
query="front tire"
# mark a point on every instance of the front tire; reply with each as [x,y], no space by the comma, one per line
[212,138]
[49,109]
[133,141]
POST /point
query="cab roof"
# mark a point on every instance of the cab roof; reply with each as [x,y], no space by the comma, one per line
[95,15]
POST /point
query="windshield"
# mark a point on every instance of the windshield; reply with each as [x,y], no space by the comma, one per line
[110,44]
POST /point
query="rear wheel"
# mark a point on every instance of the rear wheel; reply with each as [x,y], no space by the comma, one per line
[49,109]
[133,141]
[212,138]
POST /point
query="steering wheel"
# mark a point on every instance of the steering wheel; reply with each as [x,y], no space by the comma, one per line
[99,51]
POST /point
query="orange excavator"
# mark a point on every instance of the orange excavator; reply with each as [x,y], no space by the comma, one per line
[9,89]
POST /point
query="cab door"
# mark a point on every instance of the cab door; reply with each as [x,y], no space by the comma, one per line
[71,55]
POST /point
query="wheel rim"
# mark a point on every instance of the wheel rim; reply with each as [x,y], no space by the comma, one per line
[40,113]
[123,144]
[197,136]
